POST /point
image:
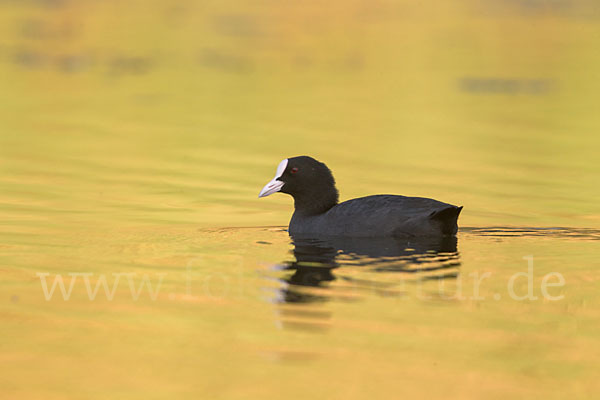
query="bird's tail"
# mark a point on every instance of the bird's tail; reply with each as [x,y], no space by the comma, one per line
[447,218]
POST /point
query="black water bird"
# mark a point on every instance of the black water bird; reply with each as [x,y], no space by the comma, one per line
[318,212]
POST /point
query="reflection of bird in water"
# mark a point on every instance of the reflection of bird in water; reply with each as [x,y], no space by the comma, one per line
[315,260]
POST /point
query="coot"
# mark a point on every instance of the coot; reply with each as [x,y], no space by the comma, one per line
[317,211]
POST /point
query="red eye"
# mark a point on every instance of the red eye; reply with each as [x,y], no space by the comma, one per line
[294,170]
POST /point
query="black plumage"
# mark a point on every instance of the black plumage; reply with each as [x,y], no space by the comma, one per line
[317,210]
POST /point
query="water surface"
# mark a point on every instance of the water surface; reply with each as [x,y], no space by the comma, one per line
[134,141]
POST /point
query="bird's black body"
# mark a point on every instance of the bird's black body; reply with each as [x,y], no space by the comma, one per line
[381,215]
[317,211]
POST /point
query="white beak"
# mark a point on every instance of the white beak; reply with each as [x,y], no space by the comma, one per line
[274,185]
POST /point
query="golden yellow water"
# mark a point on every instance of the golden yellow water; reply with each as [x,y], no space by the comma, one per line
[135,138]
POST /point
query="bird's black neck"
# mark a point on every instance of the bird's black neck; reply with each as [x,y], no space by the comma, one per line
[314,202]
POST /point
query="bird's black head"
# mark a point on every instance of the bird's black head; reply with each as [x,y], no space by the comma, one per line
[308,181]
